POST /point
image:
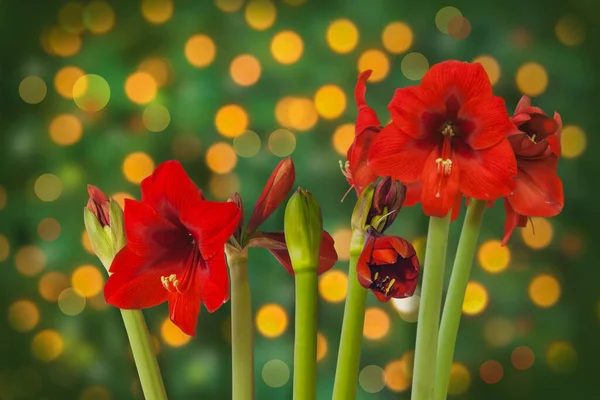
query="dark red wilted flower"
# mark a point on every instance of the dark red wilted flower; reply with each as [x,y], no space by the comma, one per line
[99,205]
[356,170]
[388,265]
[450,133]
[274,193]
[175,249]
[538,189]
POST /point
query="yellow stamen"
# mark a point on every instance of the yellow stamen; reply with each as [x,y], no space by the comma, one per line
[376,276]
[389,287]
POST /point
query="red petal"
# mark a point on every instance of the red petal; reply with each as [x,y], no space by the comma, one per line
[413,193]
[456,206]
[148,233]
[96,194]
[214,281]
[523,104]
[554,140]
[135,281]
[185,308]
[274,193]
[411,107]
[366,116]
[486,174]
[483,122]
[169,190]
[512,221]
[401,246]
[363,272]
[395,154]
[539,190]
[212,224]
[439,191]
[462,79]
[361,175]
[327,256]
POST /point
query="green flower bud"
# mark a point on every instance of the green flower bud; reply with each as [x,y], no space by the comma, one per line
[303,226]
[362,208]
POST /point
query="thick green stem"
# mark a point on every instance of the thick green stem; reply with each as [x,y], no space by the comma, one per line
[346,375]
[456,295]
[429,310]
[305,341]
[144,355]
[242,349]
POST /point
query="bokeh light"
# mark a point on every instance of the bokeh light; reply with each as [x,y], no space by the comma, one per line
[200,50]
[570,30]
[460,379]
[573,141]
[91,93]
[414,66]
[372,379]
[32,89]
[343,138]
[342,238]
[3,198]
[245,70]
[540,235]
[522,357]
[65,129]
[459,28]
[4,248]
[333,286]
[63,43]
[491,372]
[30,260]
[377,61]
[492,257]
[408,308]
[71,302]
[120,198]
[561,357]
[141,88]
[96,392]
[544,290]
[330,101]
[159,68]
[70,17]
[156,118]
[444,16]
[398,375]
[231,120]
[260,14]
[157,11]
[137,166]
[98,17]
[223,186]
[52,284]
[87,280]
[282,142]
[321,346]
[48,187]
[275,373]
[229,6]
[247,144]
[23,315]
[221,158]
[186,147]
[47,345]
[287,47]
[532,79]
[377,323]
[342,35]
[476,299]
[49,229]
[271,320]
[499,331]
[397,37]
[491,66]
[297,113]
[172,335]
[65,79]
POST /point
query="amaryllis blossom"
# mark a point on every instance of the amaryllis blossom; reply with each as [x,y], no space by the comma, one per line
[449,133]
[99,205]
[388,266]
[274,193]
[539,190]
[175,249]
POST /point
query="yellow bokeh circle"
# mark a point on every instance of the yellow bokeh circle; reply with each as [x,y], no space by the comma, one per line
[532,79]
[33,90]
[342,35]
[397,375]
[172,335]
[245,70]
[397,37]
[99,17]
[573,141]
[141,88]
[544,290]
[231,120]
[23,315]
[491,67]
[342,138]
[137,166]
[52,284]
[200,50]
[287,47]
[342,239]
[377,61]
[91,92]
[570,30]
[260,14]
[65,129]
[49,229]
[333,286]
[460,379]
[30,260]
[157,11]
[271,320]
[65,79]
[47,345]
[539,235]
[493,257]
[229,6]
[4,248]
[377,323]
[321,346]
[330,101]
[156,118]
[221,158]
[87,280]
[476,299]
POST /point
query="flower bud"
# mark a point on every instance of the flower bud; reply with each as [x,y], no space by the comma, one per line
[387,200]
[303,225]
[103,221]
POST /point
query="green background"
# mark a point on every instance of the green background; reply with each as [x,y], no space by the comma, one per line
[94,361]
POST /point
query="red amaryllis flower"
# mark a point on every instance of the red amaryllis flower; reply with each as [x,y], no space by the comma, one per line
[450,133]
[274,193]
[99,205]
[539,190]
[175,249]
[388,265]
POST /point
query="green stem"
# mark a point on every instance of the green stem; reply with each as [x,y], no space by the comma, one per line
[305,341]
[346,376]
[456,295]
[429,310]
[144,355]
[242,349]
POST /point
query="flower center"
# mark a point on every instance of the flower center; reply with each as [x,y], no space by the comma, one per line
[173,283]
[382,284]
[444,162]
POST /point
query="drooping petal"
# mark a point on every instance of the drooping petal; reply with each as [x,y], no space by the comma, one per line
[401,246]
[461,79]
[486,174]
[169,190]
[394,153]
[214,280]
[483,122]
[184,308]
[361,174]
[512,221]
[539,190]
[148,233]
[274,193]
[366,116]
[136,282]
[211,224]
[439,190]
[363,271]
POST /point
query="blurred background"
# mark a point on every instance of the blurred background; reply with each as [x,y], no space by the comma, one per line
[102,91]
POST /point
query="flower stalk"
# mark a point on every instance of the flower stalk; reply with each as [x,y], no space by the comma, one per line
[429,311]
[457,288]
